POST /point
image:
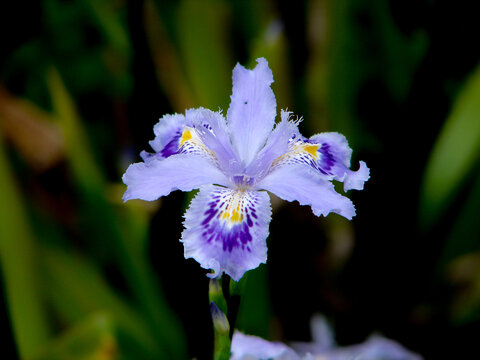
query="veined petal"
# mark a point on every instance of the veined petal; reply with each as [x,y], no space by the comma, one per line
[278,144]
[156,178]
[252,110]
[328,154]
[168,131]
[199,131]
[226,229]
[211,128]
[297,182]
[335,157]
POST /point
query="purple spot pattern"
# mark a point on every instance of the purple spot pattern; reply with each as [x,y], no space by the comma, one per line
[327,160]
[325,163]
[231,235]
[172,146]
[189,147]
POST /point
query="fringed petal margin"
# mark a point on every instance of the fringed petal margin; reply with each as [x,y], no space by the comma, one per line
[297,182]
[334,156]
[328,155]
[226,230]
[168,131]
[277,144]
[156,178]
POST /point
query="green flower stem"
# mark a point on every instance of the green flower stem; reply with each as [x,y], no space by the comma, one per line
[221,325]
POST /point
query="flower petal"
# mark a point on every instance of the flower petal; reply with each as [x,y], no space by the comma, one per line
[328,154]
[375,347]
[297,182]
[168,131]
[226,229]
[248,347]
[211,128]
[277,145]
[335,157]
[252,110]
[199,131]
[156,178]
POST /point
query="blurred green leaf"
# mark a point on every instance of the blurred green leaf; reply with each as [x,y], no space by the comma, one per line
[272,45]
[116,239]
[77,289]
[20,119]
[460,259]
[201,33]
[454,154]
[19,265]
[91,339]
[317,71]
[364,45]
[255,314]
[85,171]
[465,233]
[464,273]
[166,60]
[112,22]
[89,44]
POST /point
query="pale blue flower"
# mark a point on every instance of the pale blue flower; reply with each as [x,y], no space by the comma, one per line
[248,347]
[323,347]
[232,161]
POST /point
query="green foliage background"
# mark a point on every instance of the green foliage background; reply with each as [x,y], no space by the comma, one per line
[85,276]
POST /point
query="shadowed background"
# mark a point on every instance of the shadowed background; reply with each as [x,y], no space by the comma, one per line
[82,82]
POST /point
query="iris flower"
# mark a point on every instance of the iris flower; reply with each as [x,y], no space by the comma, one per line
[233,161]
[323,347]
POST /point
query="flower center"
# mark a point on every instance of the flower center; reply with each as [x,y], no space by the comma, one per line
[243,182]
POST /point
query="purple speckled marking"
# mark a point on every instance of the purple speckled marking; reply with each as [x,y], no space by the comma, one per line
[172,147]
[207,126]
[231,237]
[325,164]
[327,161]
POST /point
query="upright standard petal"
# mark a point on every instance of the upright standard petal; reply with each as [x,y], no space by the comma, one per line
[252,110]
[156,178]
[226,230]
[297,182]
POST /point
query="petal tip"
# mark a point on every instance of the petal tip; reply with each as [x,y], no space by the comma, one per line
[355,180]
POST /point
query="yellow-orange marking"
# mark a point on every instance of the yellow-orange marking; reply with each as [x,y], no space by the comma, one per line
[232,212]
[312,150]
[187,135]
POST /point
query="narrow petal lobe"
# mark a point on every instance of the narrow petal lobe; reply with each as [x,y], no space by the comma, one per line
[226,230]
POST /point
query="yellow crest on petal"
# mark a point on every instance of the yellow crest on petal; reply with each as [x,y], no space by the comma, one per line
[233,212]
[187,135]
